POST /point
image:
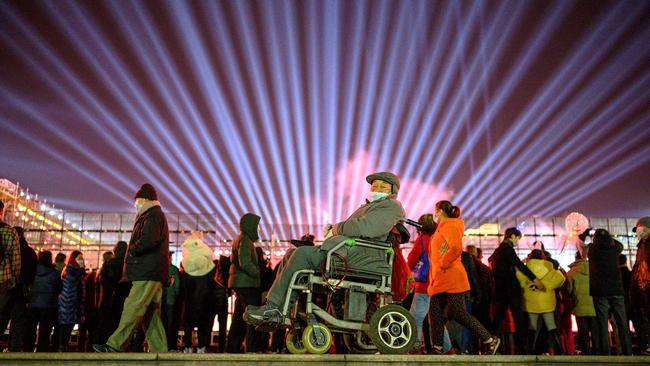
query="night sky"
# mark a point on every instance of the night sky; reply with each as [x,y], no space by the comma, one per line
[282,108]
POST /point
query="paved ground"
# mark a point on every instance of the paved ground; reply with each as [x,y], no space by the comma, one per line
[152,359]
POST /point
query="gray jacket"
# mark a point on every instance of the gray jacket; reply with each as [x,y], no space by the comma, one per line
[373,220]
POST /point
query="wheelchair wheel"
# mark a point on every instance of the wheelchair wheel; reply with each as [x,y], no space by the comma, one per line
[393,330]
[294,342]
[362,346]
[317,343]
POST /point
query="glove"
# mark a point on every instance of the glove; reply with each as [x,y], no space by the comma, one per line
[327,231]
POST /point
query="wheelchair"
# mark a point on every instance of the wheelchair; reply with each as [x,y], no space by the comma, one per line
[358,304]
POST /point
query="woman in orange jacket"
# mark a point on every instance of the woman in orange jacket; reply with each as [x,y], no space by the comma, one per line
[448,279]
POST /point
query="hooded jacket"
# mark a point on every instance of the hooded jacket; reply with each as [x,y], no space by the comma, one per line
[244,269]
[535,301]
[197,257]
[578,280]
[447,273]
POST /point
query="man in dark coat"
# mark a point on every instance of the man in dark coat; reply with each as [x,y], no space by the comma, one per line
[146,267]
[507,289]
[606,287]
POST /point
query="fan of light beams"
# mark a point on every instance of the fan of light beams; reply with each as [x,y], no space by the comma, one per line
[281,107]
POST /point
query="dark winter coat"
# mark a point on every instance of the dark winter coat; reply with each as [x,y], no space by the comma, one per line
[90,306]
[147,257]
[604,275]
[244,269]
[504,265]
[472,275]
[486,280]
[174,288]
[110,287]
[46,288]
[71,297]
[28,262]
[199,296]
[641,269]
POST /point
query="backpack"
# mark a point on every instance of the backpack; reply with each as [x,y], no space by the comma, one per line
[421,268]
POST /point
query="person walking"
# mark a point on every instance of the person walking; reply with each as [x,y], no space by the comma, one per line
[146,267]
[449,281]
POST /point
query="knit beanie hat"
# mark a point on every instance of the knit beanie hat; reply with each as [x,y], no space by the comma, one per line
[147,192]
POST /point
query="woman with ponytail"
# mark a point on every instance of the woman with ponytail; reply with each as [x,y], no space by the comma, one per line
[448,280]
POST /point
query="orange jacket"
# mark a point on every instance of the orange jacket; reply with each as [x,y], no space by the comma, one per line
[447,273]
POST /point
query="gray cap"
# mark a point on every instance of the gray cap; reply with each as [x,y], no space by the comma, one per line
[644,221]
[386,177]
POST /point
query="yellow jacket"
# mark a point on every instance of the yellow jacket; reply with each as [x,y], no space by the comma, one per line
[536,301]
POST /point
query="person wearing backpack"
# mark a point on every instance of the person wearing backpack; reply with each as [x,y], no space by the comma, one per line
[418,263]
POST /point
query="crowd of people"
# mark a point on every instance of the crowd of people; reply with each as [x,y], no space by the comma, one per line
[460,303]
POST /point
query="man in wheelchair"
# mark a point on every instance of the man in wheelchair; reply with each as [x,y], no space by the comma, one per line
[373,220]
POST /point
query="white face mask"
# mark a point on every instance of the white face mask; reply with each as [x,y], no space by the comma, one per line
[138,205]
[640,233]
[373,196]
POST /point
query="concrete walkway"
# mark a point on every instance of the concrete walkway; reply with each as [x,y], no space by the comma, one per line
[128,359]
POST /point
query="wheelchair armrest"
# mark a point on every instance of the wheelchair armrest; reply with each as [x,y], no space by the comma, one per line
[375,244]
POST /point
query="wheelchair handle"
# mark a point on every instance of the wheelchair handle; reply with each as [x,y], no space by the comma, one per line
[412,223]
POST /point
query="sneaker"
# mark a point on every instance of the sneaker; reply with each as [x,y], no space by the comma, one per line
[493,344]
[200,350]
[187,350]
[103,348]
[417,349]
[267,313]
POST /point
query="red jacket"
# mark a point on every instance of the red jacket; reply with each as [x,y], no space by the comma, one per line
[421,242]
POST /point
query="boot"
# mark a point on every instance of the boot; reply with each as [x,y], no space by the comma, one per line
[554,342]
